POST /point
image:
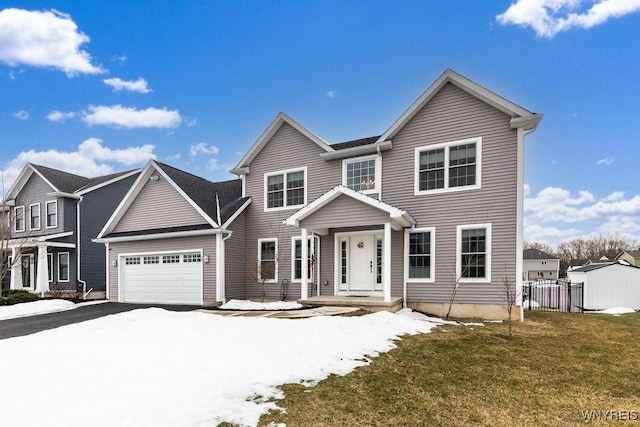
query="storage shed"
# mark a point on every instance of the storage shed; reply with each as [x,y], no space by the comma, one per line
[608,285]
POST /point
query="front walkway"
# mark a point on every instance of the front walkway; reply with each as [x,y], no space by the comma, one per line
[285,314]
[366,303]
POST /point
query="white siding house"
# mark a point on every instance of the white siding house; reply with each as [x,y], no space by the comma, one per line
[608,285]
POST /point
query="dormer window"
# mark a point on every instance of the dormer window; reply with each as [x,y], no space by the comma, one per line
[362,174]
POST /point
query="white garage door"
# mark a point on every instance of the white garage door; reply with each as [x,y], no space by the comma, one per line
[162,278]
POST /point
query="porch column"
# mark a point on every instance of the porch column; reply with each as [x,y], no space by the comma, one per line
[386,263]
[13,283]
[220,275]
[42,273]
[304,280]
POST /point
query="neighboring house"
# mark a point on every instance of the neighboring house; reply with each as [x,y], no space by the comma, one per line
[608,285]
[632,257]
[539,265]
[52,217]
[434,202]
[598,260]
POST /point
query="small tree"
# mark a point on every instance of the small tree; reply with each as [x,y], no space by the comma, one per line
[510,298]
[454,281]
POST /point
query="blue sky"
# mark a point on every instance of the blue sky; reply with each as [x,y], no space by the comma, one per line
[99,87]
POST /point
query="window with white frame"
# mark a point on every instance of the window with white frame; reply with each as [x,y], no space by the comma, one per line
[50,267]
[63,266]
[268,260]
[19,218]
[362,174]
[313,248]
[285,189]
[34,216]
[51,208]
[474,253]
[450,166]
[420,254]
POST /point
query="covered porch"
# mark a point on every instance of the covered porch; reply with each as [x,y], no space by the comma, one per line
[360,228]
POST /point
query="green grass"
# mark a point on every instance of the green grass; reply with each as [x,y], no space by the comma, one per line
[558,366]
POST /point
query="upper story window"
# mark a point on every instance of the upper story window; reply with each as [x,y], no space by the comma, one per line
[52,213]
[451,166]
[19,218]
[34,216]
[285,189]
[362,174]
[473,253]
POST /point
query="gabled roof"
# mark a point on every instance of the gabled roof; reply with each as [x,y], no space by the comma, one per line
[633,254]
[275,125]
[399,218]
[215,201]
[101,181]
[591,267]
[537,254]
[520,117]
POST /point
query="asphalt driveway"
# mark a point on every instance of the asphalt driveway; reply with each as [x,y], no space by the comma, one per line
[28,325]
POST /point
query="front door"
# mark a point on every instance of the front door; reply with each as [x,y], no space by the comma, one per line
[28,276]
[361,263]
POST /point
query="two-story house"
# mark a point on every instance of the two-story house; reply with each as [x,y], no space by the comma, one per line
[432,205]
[540,265]
[50,218]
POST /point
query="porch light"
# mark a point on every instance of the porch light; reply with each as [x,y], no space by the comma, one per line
[114,263]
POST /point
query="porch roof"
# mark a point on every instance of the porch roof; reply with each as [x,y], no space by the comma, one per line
[366,210]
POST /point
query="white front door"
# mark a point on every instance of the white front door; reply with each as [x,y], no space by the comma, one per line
[361,263]
[28,276]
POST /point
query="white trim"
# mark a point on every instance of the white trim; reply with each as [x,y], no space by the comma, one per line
[22,179]
[487,278]
[135,238]
[16,216]
[432,255]
[31,217]
[50,275]
[46,213]
[108,276]
[236,214]
[220,273]
[120,262]
[520,216]
[68,267]
[360,150]
[33,279]
[447,146]
[336,263]
[109,182]
[284,174]
[315,251]
[378,172]
[259,266]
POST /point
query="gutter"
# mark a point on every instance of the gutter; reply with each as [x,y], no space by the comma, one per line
[358,150]
[157,236]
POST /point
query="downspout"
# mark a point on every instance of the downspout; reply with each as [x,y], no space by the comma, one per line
[405,275]
[78,245]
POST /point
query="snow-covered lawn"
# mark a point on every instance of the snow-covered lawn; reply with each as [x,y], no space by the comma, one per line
[236,304]
[154,367]
[34,308]
[616,311]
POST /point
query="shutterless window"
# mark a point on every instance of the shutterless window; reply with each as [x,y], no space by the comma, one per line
[63,266]
[34,216]
[267,263]
[52,214]
[473,254]
[361,175]
[285,189]
[420,255]
[448,166]
[19,218]
[311,258]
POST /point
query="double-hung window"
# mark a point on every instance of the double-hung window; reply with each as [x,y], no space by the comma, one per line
[268,260]
[420,254]
[362,174]
[34,216]
[51,208]
[451,166]
[19,218]
[63,266]
[313,249]
[285,189]
[50,267]
[473,253]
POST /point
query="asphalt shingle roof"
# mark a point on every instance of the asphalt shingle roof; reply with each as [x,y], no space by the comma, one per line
[355,143]
[63,181]
[537,254]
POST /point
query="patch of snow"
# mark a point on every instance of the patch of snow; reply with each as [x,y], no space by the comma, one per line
[236,304]
[530,304]
[34,308]
[419,316]
[472,324]
[616,311]
[164,368]
[493,321]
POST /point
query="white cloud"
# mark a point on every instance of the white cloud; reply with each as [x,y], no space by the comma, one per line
[212,165]
[120,59]
[44,39]
[126,117]
[330,94]
[21,115]
[90,159]
[204,148]
[59,116]
[192,122]
[140,85]
[605,162]
[549,17]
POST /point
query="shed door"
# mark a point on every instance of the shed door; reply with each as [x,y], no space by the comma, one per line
[162,278]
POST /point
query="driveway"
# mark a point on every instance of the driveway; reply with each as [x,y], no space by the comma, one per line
[28,325]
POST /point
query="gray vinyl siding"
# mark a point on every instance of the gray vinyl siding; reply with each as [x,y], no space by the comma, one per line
[72,283]
[95,210]
[287,149]
[206,243]
[158,205]
[450,116]
[345,211]
[35,190]
[235,261]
